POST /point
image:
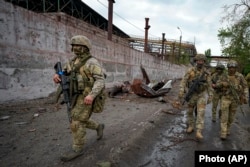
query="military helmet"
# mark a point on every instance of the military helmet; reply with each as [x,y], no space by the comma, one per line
[200,57]
[232,63]
[220,66]
[81,40]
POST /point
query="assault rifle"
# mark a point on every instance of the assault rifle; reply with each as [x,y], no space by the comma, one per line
[194,87]
[235,96]
[65,86]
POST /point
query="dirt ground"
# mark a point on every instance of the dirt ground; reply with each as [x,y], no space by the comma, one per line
[138,132]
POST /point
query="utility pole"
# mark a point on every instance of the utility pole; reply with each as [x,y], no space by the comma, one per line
[180,44]
[110,21]
[146,35]
[162,47]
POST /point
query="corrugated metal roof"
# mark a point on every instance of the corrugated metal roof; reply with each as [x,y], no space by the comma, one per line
[75,8]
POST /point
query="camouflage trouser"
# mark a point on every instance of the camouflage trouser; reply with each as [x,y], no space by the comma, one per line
[249,97]
[216,98]
[198,101]
[228,111]
[80,121]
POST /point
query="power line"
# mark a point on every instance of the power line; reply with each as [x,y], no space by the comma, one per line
[125,19]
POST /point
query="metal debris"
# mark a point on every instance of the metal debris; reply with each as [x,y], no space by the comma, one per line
[21,123]
[143,87]
[4,117]
[36,115]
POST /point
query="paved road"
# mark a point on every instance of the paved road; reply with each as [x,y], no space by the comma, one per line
[172,147]
[137,134]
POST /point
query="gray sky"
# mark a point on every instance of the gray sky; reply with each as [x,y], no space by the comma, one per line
[199,20]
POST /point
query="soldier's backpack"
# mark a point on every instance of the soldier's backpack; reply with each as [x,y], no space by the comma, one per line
[98,104]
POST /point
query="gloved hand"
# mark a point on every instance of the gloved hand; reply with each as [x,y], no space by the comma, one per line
[209,100]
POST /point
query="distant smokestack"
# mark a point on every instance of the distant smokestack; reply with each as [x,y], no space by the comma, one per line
[110,21]
[146,35]
[162,47]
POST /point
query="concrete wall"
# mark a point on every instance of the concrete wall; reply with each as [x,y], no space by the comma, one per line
[31,43]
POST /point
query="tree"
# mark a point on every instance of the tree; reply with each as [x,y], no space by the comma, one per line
[235,38]
[208,56]
[184,59]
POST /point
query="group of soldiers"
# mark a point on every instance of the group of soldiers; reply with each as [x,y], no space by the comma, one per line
[87,82]
[227,88]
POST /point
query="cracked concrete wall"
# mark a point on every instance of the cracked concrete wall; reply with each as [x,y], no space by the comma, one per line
[31,44]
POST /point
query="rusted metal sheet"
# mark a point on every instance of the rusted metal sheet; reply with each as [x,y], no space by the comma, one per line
[141,89]
[145,75]
[137,89]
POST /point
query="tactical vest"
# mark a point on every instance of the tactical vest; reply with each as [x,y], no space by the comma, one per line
[235,81]
[79,81]
[82,81]
[216,77]
[194,74]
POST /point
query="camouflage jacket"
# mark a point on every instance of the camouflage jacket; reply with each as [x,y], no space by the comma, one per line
[89,76]
[214,78]
[194,73]
[248,79]
[235,83]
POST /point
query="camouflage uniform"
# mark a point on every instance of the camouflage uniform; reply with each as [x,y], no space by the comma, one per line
[198,100]
[233,85]
[248,83]
[217,92]
[90,81]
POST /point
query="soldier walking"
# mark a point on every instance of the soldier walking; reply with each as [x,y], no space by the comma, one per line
[234,93]
[217,91]
[248,83]
[198,98]
[86,84]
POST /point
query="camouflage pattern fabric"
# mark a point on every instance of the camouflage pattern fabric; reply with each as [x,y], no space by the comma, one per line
[199,98]
[248,83]
[80,121]
[215,102]
[90,78]
[248,79]
[217,94]
[228,103]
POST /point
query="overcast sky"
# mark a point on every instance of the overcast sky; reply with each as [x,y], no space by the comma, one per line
[199,20]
